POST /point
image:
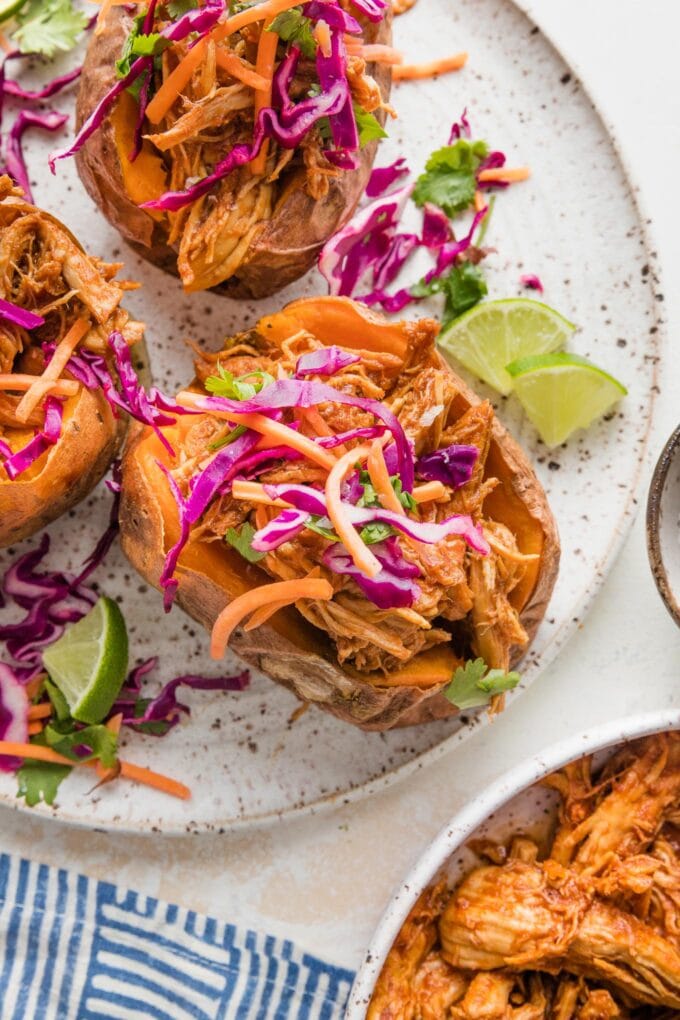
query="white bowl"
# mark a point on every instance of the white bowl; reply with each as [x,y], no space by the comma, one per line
[512,807]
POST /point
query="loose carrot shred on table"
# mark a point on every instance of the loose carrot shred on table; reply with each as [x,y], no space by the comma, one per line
[503,173]
[380,477]
[429,491]
[265,595]
[19,381]
[240,69]
[42,711]
[264,65]
[362,556]
[479,201]
[376,53]
[43,383]
[177,80]
[412,72]
[140,774]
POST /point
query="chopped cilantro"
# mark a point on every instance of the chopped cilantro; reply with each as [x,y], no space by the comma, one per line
[369,126]
[176,8]
[449,178]
[369,497]
[139,45]
[236,6]
[59,702]
[63,738]
[475,684]
[322,526]
[49,26]
[229,438]
[225,384]
[242,541]
[293,27]
[39,781]
[463,286]
[377,532]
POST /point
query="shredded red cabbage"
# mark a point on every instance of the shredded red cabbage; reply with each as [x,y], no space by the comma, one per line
[449,252]
[333,15]
[436,227]
[20,316]
[23,459]
[531,281]
[384,177]
[15,164]
[391,588]
[13,714]
[460,129]
[493,161]
[165,708]
[362,432]
[452,465]
[355,249]
[17,91]
[255,463]
[282,528]
[289,393]
[325,361]
[374,10]
[332,71]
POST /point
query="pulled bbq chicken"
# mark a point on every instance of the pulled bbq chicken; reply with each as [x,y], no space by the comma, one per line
[464,598]
[44,270]
[591,932]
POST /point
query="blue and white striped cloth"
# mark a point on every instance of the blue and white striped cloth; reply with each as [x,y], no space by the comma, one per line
[73,948]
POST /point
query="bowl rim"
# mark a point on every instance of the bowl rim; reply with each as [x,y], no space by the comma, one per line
[464,822]
[657,488]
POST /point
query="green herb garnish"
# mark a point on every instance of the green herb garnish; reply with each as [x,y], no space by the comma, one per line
[474,684]
[48,27]
[449,179]
[294,28]
[242,541]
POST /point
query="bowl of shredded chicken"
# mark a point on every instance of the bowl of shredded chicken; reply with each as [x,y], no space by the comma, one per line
[556,894]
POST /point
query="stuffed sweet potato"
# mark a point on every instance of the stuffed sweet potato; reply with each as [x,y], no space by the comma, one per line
[57,434]
[341,484]
[260,132]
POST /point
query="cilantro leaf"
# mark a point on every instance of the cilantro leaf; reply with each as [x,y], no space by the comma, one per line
[369,497]
[63,738]
[474,684]
[49,26]
[449,178]
[225,384]
[39,781]
[322,526]
[139,45]
[377,532]
[293,27]
[59,702]
[369,126]
[242,541]
[464,287]
[176,8]
[236,6]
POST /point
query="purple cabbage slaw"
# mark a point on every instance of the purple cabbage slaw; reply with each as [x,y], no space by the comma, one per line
[20,316]
[15,163]
[325,361]
[453,465]
[532,282]
[42,441]
[392,588]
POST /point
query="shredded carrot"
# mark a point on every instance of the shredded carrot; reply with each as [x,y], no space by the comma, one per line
[376,53]
[479,201]
[176,81]
[264,65]
[261,517]
[505,173]
[362,556]
[43,383]
[17,381]
[33,686]
[140,774]
[35,752]
[322,34]
[254,492]
[380,477]
[42,711]
[265,595]
[429,491]
[261,616]
[35,728]
[266,11]
[411,72]
[240,69]
[266,427]
[318,422]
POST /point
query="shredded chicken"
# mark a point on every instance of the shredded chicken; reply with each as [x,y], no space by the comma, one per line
[592,937]
[463,598]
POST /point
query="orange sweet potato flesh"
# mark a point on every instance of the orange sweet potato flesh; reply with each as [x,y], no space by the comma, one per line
[287,648]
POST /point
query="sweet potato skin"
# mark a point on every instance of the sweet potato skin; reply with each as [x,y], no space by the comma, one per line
[90,439]
[286,649]
[286,247]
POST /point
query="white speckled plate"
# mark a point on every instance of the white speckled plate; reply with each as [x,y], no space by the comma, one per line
[513,804]
[575,223]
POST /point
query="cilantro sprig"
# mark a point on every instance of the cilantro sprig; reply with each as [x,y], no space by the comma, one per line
[242,541]
[449,179]
[47,27]
[474,684]
[241,387]
[293,27]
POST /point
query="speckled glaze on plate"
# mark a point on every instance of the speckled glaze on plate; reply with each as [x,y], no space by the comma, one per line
[513,804]
[576,225]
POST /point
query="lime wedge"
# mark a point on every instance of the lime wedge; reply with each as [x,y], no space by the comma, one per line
[563,392]
[494,333]
[89,662]
[8,8]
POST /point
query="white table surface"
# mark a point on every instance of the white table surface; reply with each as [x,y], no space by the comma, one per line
[323,881]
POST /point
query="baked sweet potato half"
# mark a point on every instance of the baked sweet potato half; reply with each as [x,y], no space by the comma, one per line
[57,435]
[262,142]
[291,496]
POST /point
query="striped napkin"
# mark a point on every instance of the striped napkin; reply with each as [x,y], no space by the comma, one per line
[73,948]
